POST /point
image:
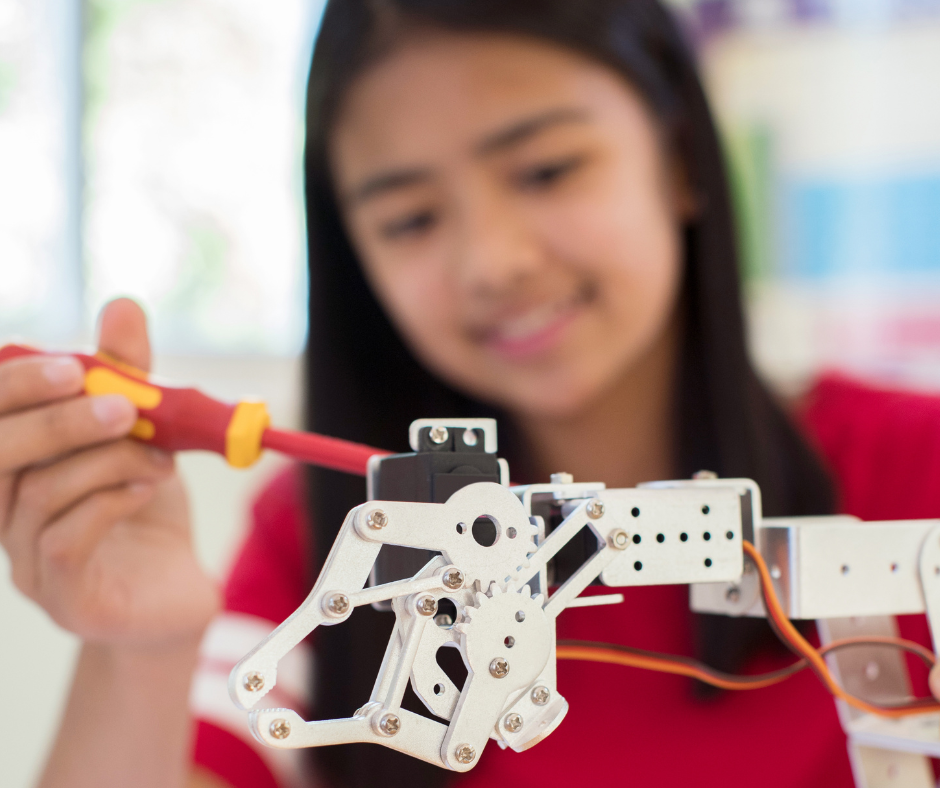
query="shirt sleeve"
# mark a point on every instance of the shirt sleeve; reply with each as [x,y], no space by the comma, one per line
[267,583]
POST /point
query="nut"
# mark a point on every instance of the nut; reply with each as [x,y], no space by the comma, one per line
[499,668]
[254,682]
[465,753]
[280,729]
[390,724]
[540,696]
[426,605]
[453,579]
[562,478]
[377,519]
[438,435]
[513,722]
[619,539]
[595,509]
[337,605]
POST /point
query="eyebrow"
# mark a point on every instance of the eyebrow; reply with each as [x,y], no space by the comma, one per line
[498,141]
[525,129]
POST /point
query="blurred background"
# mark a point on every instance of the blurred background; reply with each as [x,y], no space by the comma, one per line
[152,148]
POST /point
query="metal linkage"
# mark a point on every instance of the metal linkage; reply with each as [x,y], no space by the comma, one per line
[504,627]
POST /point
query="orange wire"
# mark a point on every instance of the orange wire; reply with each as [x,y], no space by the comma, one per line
[812,657]
[803,647]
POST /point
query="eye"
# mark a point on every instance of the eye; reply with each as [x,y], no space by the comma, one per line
[412,224]
[546,174]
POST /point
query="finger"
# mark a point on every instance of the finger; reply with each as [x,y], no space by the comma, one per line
[39,434]
[34,380]
[122,333]
[46,493]
[63,547]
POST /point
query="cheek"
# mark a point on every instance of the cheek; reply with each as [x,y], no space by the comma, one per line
[626,242]
[423,308]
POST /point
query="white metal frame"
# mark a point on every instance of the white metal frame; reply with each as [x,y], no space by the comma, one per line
[851,576]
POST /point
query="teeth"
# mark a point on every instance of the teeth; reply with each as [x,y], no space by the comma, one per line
[526,590]
[535,319]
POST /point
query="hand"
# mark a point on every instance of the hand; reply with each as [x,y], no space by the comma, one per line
[96,524]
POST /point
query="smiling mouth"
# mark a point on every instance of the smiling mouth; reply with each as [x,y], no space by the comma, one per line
[537,329]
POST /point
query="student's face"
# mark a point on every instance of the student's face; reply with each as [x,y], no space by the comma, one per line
[515,214]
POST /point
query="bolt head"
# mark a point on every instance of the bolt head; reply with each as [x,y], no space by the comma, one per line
[390,724]
[513,723]
[453,579]
[562,478]
[338,604]
[280,729]
[540,696]
[438,435]
[499,668]
[619,540]
[733,594]
[470,437]
[704,475]
[426,605]
[377,519]
[465,753]
[595,509]
[254,682]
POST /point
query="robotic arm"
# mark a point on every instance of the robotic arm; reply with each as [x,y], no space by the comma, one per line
[443,528]
[508,560]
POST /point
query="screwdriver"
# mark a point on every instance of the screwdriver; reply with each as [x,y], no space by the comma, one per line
[176,419]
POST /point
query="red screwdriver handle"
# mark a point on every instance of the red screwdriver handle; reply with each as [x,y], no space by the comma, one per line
[173,418]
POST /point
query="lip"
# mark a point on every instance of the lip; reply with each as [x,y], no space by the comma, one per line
[537,330]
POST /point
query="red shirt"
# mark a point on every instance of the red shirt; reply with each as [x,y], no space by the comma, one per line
[630,726]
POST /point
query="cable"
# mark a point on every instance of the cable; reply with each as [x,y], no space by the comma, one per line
[685,666]
[810,657]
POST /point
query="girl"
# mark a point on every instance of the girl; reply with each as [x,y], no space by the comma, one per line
[516,209]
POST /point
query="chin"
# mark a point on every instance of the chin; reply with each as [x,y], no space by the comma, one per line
[559,402]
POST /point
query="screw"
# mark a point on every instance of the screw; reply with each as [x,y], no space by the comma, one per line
[254,682]
[562,478]
[377,519]
[438,435]
[465,753]
[389,724]
[540,696]
[453,578]
[280,729]
[595,509]
[426,605]
[337,605]
[733,594]
[704,475]
[499,668]
[619,539]
[469,437]
[513,722]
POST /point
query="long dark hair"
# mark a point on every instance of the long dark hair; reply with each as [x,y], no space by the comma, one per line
[364,385]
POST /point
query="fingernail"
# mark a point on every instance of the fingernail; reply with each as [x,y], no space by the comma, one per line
[62,370]
[112,409]
[159,457]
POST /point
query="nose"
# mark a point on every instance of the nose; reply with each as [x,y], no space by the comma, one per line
[496,251]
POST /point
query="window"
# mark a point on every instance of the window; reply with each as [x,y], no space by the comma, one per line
[155,149]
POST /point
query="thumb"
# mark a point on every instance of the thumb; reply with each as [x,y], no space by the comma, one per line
[122,333]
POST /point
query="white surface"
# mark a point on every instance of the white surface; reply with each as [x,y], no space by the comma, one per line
[39,654]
